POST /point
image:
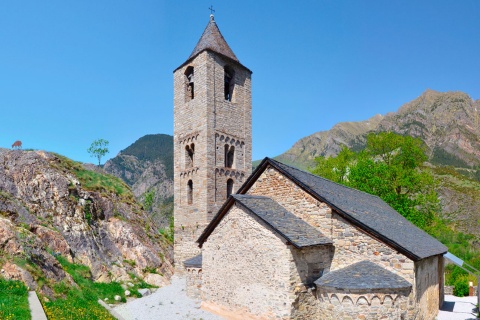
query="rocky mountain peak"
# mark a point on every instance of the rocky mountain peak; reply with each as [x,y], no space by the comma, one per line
[448,122]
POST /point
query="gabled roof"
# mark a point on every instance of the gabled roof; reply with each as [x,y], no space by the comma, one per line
[293,229]
[363,275]
[369,213]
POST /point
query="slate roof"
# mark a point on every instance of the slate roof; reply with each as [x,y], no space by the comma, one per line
[363,275]
[287,225]
[212,39]
[195,262]
[368,212]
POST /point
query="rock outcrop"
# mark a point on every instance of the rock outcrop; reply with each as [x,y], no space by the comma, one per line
[147,167]
[50,206]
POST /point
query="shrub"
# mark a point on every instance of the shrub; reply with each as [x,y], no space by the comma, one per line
[461,287]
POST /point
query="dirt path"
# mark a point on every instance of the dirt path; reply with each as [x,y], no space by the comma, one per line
[167,303]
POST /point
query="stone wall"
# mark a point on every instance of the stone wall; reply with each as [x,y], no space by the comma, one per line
[427,288]
[349,305]
[194,283]
[306,266]
[190,127]
[449,290]
[246,268]
[306,305]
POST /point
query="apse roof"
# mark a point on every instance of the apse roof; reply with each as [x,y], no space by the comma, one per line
[363,275]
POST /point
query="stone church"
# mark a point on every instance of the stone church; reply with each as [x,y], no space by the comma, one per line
[281,243]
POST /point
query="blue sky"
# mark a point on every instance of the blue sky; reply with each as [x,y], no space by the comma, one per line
[75,71]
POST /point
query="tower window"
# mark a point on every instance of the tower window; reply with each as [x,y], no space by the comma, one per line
[229,187]
[189,153]
[190,88]
[190,192]
[228,83]
[229,156]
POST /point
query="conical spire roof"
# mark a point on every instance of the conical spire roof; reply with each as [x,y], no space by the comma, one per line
[212,39]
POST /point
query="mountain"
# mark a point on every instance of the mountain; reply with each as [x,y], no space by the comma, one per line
[147,167]
[447,122]
[50,206]
[328,143]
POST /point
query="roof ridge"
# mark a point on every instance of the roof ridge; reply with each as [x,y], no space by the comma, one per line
[325,179]
[250,196]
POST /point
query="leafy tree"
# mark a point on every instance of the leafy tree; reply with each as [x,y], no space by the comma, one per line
[98,149]
[335,168]
[148,200]
[389,167]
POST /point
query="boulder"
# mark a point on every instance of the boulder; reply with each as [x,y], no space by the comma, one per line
[156,280]
[11,271]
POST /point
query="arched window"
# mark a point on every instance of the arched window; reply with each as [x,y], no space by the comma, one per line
[229,187]
[229,156]
[190,192]
[228,76]
[190,88]
[189,153]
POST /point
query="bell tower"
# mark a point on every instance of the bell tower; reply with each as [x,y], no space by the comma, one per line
[212,136]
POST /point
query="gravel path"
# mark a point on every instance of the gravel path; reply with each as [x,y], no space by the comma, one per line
[171,303]
[455,308]
[167,303]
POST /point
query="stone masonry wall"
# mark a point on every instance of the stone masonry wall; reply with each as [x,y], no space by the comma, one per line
[229,123]
[246,269]
[194,283]
[306,266]
[427,288]
[190,127]
[387,305]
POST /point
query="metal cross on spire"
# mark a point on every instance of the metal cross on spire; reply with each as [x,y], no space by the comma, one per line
[211,10]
